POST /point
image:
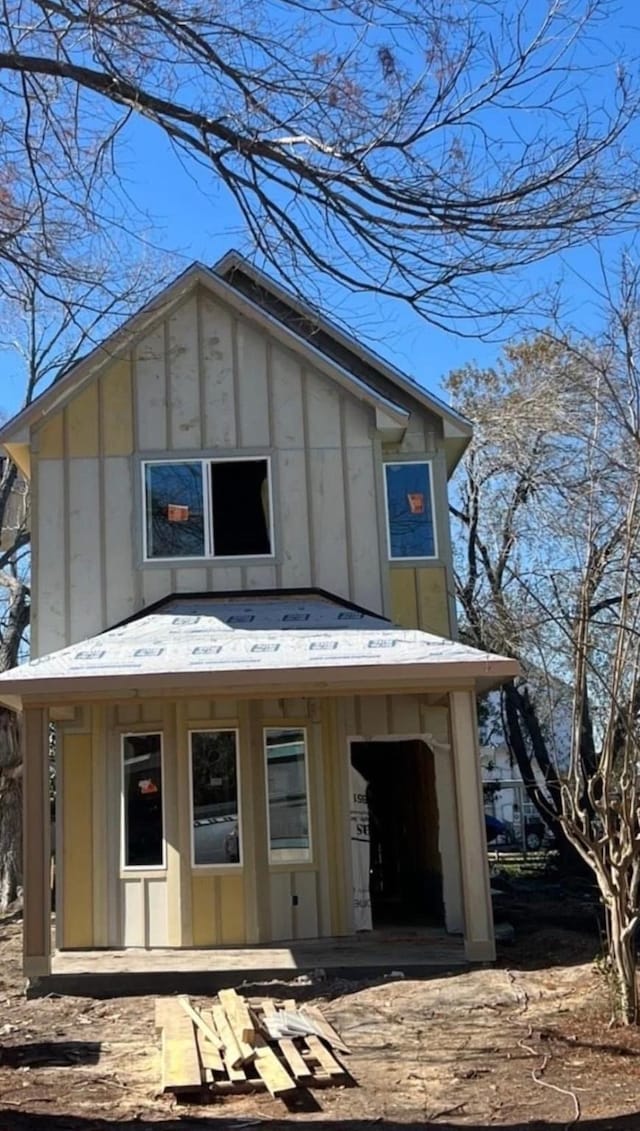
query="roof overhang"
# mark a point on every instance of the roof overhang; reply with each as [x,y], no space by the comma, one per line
[253,648]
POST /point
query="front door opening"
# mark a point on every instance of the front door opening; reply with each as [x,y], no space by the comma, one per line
[394,788]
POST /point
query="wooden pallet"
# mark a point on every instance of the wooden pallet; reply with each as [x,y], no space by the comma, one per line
[226,1048]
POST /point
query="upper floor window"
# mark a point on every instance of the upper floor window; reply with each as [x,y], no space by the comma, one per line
[410,511]
[207,508]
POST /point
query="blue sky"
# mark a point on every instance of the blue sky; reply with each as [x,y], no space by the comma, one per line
[194,218]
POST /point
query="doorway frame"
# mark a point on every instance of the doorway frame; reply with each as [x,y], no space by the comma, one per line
[448,836]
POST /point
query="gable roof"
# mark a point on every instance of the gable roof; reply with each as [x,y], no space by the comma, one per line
[252,643]
[296,324]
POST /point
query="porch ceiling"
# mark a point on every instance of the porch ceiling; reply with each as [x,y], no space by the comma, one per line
[225,645]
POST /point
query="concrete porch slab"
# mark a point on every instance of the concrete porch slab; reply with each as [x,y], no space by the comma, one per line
[113,973]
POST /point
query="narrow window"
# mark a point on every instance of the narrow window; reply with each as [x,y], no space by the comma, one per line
[287,801]
[142,789]
[409,510]
[240,508]
[214,797]
[174,510]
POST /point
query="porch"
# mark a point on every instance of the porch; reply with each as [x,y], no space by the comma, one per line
[416,953]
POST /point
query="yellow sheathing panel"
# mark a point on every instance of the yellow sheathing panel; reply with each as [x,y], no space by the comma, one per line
[203,910]
[335,862]
[433,602]
[77,857]
[82,424]
[117,412]
[419,598]
[50,438]
[231,889]
[404,597]
[21,456]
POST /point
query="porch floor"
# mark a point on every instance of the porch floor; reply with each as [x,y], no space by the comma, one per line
[107,973]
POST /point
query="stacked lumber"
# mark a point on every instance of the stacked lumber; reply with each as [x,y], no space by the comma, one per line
[231,1047]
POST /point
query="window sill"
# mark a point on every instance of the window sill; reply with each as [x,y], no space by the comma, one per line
[199,563]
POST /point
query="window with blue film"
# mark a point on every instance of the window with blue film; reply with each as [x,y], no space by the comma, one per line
[174,510]
[409,510]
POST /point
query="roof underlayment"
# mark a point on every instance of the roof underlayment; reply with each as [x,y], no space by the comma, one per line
[228,643]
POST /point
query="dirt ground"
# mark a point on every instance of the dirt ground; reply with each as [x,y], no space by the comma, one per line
[523,1045]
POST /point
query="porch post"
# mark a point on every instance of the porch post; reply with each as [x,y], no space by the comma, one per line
[36,844]
[478,914]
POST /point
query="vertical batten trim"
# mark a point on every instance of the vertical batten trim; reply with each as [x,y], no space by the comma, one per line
[35,554]
[200,361]
[168,415]
[170,832]
[98,824]
[59,816]
[347,498]
[307,473]
[276,507]
[383,552]
[66,527]
[37,845]
[235,377]
[102,536]
[218,928]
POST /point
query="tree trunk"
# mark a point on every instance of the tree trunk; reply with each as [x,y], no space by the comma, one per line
[10,810]
[622,952]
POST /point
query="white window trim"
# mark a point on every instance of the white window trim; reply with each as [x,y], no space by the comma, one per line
[135,869]
[229,867]
[409,463]
[209,549]
[274,855]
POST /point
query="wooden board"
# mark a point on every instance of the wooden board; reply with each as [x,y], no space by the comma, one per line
[231,1053]
[209,1055]
[240,1021]
[327,1032]
[323,1057]
[295,1061]
[269,1068]
[208,1030]
[180,1061]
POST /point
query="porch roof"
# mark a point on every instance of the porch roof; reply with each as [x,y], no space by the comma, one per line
[248,643]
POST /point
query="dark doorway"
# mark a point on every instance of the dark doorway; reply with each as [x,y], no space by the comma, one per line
[406,873]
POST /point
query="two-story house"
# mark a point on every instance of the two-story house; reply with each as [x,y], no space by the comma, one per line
[241,589]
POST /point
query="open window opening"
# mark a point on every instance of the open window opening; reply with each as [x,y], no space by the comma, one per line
[207,508]
[240,508]
[394,835]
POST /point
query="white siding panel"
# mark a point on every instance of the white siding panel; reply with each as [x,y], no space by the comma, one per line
[151,391]
[133,899]
[184,378]
[216,345]
[224,579]
[156,584]
[359,422]
[326,500]
[323,412]
[292,520]
[286,400]
[281,909]
[260,577]
[157,912]
[253,392]
[119,527]
[306,910]
[85,565]
[50,595]
[191,579]
[363,529]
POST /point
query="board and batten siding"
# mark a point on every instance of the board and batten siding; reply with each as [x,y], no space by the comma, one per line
[207,382]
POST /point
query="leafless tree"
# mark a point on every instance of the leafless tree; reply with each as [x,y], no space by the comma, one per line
[549,569]
[404,147]
[45,323]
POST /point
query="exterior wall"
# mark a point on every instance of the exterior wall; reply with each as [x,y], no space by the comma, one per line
[101,905]
[207,382]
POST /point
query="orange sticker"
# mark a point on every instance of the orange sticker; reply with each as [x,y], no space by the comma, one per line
[416,502]
[177,513]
